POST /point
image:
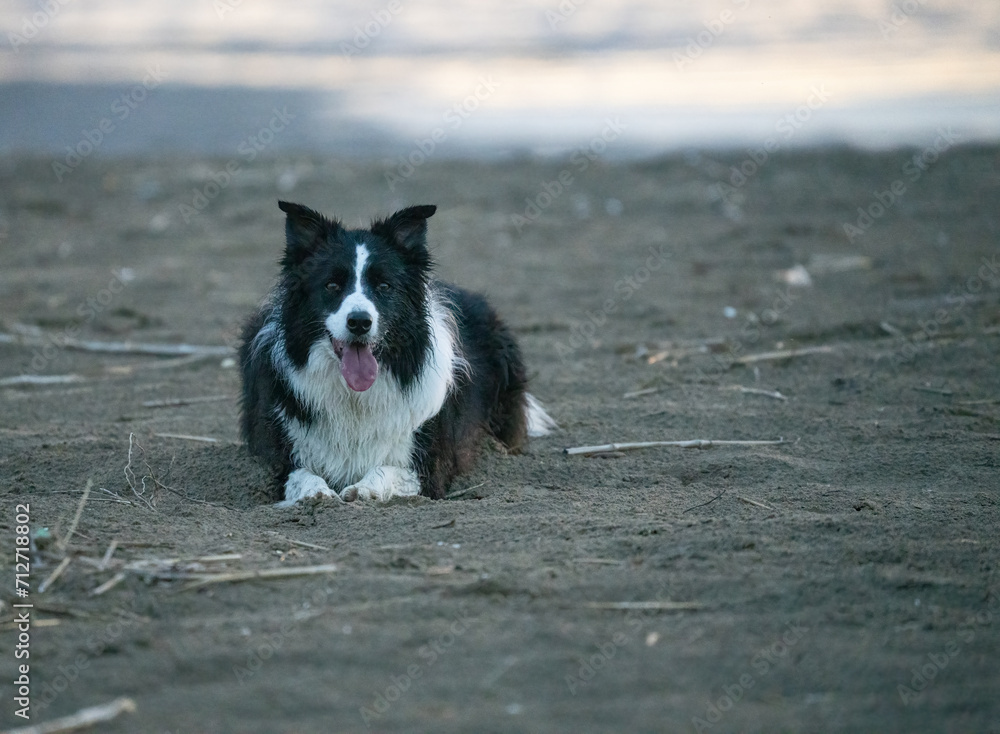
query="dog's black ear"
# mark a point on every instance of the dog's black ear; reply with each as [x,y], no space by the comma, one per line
[407,227]
[305,230]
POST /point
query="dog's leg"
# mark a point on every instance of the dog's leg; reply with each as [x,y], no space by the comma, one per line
[383,483]
[303,483]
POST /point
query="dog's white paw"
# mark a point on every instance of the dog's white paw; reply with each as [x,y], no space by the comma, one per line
[383,483]
[303,483]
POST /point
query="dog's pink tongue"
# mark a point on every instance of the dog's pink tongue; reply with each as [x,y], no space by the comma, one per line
[358,366]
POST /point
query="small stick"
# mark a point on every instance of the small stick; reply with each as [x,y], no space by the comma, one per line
[47,622]
[698,443]
[81,719]
[97,563]
[934,390]
[43,587]
[109,584]
[640,393]
[755,503]
[465,491]
[152,563]
[298,542]
[303,544]
[130,472]
[695,507]
[667,606]
[114,497]
[177,402]
[756,391]
[40,380]
[126,347]
[266,573]
[160,364]
[107,554]
[182,495]
[782,354]
[599,561]
[890,329]
[76,518]
[186,437]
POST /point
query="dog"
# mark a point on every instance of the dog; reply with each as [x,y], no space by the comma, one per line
[364,377]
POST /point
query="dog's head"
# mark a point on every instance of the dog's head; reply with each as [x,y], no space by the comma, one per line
[363,290]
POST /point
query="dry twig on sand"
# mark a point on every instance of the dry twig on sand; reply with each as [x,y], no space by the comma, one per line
[130,474]
[155,350]
[756,391]
[198,439]
[640,393]
[108,553]
[157,484]
[44,586]
[177,402]
[109,584]
[82,719]
[302,543]
[663,606]
[194,571]
[890,329]
[465,491]
[703,504]
[199,580]
[40,380]
[783,354]
[64,542]
[755,503]
[697,443]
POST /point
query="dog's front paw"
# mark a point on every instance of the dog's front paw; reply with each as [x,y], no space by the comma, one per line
[303,483]
[383,484]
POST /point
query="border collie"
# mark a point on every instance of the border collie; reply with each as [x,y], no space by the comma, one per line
[364,377]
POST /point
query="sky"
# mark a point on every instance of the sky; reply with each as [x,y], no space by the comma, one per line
[476,77]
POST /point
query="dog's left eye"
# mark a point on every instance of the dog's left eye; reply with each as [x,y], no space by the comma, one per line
[384,287]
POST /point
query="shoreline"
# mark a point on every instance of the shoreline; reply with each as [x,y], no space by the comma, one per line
[148,118]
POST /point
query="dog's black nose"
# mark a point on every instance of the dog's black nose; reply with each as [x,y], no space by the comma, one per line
[359,323]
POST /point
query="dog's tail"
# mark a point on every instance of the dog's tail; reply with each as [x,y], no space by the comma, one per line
[539,422]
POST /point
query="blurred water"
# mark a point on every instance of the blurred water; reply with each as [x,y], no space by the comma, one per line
[475,77]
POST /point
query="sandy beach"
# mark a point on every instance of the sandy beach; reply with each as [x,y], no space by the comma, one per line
[845,579]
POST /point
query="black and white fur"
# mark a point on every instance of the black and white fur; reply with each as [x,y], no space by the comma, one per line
[353,303]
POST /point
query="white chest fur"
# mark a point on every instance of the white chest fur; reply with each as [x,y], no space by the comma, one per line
[352,432]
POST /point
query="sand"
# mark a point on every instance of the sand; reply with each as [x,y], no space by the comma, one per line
[845,580]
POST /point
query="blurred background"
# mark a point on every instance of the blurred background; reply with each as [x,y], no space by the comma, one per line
[383,77]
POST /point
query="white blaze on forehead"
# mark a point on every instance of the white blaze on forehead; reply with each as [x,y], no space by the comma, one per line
[360,260]
[356,300]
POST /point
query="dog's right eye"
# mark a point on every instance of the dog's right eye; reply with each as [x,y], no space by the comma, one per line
[333,286]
